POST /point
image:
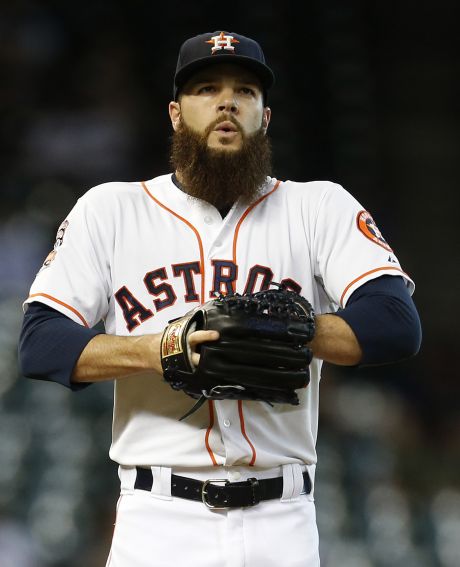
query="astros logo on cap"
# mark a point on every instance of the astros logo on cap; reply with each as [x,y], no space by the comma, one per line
[222,41]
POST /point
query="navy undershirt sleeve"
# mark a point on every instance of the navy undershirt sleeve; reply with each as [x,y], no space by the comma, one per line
[384,319]
[50,344]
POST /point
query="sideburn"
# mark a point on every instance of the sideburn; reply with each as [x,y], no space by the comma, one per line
[221,177]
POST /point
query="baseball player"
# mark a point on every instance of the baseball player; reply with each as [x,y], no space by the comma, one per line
[233,483]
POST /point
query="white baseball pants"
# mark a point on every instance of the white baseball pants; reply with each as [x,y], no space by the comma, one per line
[153,529]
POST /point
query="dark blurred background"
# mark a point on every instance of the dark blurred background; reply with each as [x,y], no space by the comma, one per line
[366,95]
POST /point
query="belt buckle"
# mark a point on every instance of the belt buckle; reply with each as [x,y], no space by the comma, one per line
[204,493]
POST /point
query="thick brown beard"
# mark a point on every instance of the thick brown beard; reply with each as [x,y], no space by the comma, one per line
[220,177]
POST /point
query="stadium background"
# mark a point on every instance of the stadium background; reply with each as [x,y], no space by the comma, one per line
[366,95]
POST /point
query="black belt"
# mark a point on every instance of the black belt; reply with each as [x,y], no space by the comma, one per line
[228,495]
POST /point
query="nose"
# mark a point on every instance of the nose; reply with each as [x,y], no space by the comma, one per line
[228,102]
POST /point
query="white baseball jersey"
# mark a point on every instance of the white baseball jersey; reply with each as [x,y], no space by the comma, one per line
[139,254]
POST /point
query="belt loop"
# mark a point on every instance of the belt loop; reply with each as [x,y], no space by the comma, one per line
[311,469]
[161,485]
[293,484]
[127,476]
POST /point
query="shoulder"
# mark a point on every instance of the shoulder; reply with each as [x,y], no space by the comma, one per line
[308,189]
[106,193]
[311,193]
[324,193]
[113,192]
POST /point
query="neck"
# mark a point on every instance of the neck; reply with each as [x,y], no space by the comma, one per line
[180,180]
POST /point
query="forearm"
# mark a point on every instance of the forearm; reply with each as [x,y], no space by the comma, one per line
[109,356]
[335,341]
[55,348]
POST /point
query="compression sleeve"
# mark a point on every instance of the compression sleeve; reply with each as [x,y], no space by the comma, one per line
[50,344]
[384,319]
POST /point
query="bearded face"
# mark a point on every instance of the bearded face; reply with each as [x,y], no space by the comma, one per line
[221,176]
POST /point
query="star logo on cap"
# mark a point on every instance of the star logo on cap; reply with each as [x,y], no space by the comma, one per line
[222,41]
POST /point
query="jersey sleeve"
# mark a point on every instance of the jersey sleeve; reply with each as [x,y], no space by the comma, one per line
[75,277]
[349,247]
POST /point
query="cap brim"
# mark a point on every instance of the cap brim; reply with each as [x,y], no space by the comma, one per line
[263,72]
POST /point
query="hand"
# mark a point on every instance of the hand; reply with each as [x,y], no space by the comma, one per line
[198,337]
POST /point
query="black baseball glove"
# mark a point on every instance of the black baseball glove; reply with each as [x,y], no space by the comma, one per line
[261,353]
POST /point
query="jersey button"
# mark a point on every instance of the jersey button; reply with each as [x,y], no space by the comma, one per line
[234,475]
[208,220]
[227,423]
[217,243]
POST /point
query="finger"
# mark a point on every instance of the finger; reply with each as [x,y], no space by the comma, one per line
[198,337]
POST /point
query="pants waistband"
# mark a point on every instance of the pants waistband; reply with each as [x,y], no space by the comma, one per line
[218,493]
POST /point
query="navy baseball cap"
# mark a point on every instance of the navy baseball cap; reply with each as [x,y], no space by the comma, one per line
[221,47]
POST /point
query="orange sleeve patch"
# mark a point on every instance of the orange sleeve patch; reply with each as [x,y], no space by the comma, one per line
[367,226]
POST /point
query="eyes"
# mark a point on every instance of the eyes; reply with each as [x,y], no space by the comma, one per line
[209,89]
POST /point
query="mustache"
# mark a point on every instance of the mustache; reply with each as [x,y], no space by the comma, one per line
[223,118]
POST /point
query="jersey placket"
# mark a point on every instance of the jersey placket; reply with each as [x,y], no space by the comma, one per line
[227,412]
[218,246]
[237,449]
[217,238]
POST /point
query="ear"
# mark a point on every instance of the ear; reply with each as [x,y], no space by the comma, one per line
[266,117]
[174,114]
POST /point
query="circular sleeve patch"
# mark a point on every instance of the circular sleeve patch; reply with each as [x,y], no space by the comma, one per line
[59,240]
[370,230]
